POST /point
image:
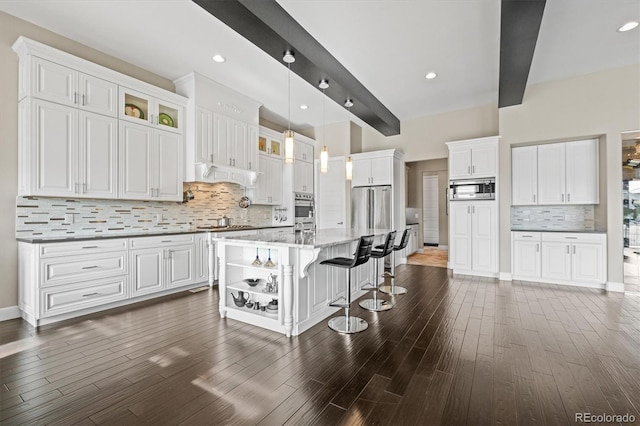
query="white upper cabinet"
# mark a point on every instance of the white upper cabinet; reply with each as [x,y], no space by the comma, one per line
[551,174]
[524,175]
[270,142]
[64,85]
[149,169]
[581,162]
[222,131]
[473,158]
[73,153]
[303,151]
[74,116]
[565,173]
[269,184]
[303,177]
[141,108]
[371,171]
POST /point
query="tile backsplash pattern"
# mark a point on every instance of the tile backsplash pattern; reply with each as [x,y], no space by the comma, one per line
[552,218]
[43,216]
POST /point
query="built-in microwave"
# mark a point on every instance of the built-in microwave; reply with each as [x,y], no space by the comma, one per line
[475,189]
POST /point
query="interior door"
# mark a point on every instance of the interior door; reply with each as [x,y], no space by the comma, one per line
[430,210]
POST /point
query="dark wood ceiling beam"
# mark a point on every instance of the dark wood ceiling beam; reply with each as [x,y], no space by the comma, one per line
[267,25]
[519,27]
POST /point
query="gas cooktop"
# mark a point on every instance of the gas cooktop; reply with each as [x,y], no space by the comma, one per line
[222,228]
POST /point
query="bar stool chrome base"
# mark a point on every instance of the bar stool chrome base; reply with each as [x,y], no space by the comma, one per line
[376,305]
[348,324]
[393,289]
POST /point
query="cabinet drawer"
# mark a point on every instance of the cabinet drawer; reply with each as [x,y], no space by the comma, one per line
[526,236]
[572,237]
[64,270]
[82,247]
[69,298]
[161,241]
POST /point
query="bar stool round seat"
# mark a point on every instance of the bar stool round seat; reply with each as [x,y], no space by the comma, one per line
[374,304]
[346,323]
[396,289]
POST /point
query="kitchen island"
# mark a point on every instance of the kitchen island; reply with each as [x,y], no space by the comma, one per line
[303,288]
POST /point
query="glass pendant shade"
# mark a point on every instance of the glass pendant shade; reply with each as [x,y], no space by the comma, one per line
[349,167]
[288,146]
[324,159]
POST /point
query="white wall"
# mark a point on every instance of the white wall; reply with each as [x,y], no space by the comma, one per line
[602,104]
[424,138]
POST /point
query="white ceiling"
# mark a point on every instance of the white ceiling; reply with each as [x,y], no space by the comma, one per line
[389,45]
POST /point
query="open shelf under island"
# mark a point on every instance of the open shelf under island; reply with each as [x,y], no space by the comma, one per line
[303,288]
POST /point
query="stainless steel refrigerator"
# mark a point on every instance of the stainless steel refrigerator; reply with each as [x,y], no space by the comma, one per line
[371,207]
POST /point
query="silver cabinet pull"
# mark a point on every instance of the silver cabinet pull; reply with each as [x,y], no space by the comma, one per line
[527,236]
[75,97]
[473,209]
[473,169]
[574,249]
[90,267]
[568,198]
[562,195]
[340,223]
[75,187]
[84,187]
[211,157]
[534,198]
[89,247]
[249,165]
[468,209]
[469,170]
[568,249]
[166,241]
[90,294]
[84,100]
[537,248]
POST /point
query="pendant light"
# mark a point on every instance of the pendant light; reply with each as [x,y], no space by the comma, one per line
[289,58]
[324,153]
[349,164]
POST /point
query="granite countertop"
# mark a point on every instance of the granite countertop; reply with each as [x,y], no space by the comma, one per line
[39,239]
[321,238]
[560,231]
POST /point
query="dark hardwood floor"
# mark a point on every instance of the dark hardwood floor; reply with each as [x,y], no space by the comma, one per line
[454,350]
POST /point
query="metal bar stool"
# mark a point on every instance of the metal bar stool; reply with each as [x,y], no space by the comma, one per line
[374,304]
[396,289]
[346,323]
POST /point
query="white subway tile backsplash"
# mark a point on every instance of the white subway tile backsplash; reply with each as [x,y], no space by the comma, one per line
[553,218]
[48,216]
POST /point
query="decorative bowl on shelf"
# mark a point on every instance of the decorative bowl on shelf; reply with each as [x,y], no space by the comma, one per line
[252,281]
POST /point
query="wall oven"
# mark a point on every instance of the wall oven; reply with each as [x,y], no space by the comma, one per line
[304,210]
[475,189]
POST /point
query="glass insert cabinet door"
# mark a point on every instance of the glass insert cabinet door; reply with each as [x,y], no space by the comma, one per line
[268,145]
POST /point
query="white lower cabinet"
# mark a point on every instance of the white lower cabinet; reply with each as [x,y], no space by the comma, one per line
[66,279]
[560,257]
[473,237]
[526,254]
[68,298]
[159,263]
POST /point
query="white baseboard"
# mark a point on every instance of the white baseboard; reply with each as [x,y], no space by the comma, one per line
[441,247]
[505,276]
[617,287]
[11,312]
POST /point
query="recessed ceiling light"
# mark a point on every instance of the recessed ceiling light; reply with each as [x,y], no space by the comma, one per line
[219,58]
[304,106]
[431,75]
[628,26]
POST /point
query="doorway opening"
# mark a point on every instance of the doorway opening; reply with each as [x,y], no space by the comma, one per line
[430,210]
[631,210]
